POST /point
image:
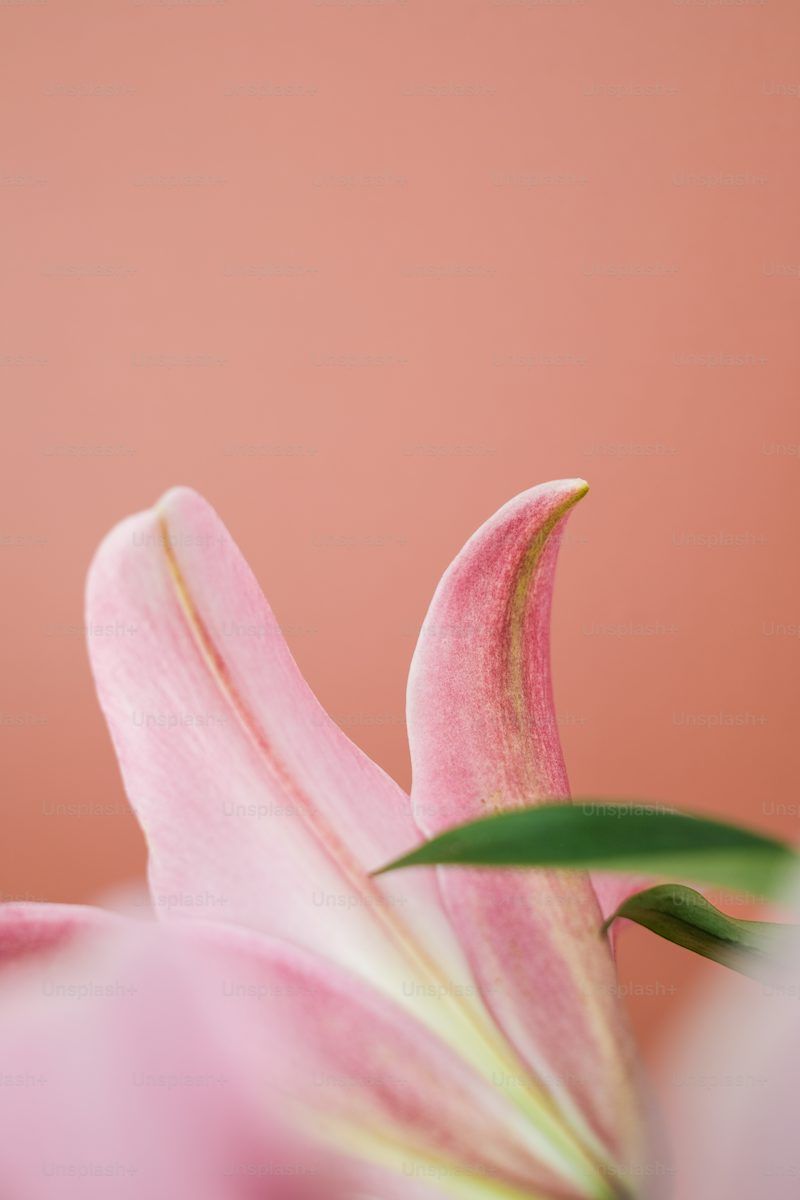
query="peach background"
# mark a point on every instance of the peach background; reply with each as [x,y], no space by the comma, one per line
[362,271]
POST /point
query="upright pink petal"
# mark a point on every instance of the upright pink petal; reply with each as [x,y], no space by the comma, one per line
[484,737]
[257,809]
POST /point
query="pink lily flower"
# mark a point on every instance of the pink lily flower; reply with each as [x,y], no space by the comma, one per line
[466,1022]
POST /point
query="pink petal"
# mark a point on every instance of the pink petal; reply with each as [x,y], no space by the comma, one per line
[250,1028]
[483,735]
[361,1070]
[257,809]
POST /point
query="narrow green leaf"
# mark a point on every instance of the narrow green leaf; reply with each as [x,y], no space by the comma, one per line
[760,949]
[590,834]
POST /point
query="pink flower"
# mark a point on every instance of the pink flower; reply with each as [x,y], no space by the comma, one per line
[448,1033]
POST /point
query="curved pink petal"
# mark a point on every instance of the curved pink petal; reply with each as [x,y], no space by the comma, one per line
[483,735]
[257,809]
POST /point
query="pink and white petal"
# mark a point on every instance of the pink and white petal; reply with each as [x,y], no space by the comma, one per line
[484,737]
[257,809]
[361,1071]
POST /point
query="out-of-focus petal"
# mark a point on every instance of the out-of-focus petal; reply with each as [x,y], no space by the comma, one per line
[28,928]
[729,1074]
[484,737]
[114,1081]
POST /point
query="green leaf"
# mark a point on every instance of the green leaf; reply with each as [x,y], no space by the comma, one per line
[635,838]
[681,915]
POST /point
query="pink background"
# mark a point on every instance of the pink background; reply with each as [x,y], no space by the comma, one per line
[362,271]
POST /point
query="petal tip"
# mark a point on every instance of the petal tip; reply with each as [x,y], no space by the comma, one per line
[556,494]
[544,504]
[572,490]
[176,496]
